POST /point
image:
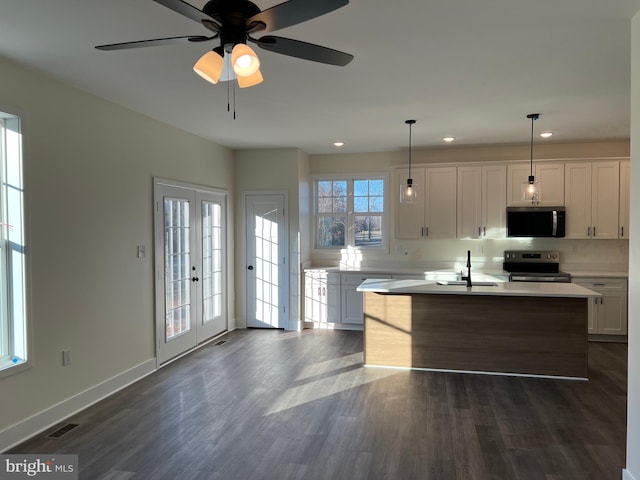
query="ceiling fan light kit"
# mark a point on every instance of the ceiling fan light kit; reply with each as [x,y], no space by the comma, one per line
[233,22]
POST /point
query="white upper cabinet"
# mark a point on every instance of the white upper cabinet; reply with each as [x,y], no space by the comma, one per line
[591,197]
[433,215]
[625,198]
[550,177]
[482,200]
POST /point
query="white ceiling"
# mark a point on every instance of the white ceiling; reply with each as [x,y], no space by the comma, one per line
[468,68]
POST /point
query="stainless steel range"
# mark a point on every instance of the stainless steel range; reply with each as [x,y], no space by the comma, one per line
[534,266]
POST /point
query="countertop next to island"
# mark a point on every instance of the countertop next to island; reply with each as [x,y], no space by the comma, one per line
[531,329]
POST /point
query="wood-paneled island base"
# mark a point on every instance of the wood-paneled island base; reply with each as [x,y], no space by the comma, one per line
[526,335]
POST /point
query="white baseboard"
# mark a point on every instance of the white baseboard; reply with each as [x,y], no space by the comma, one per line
[21,431]
[626,475]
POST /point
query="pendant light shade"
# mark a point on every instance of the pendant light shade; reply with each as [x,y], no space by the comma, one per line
[531,188]
[210,65]
[408,192]
[244,60]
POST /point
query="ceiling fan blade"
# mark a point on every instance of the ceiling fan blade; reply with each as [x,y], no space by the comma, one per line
[186,9]
[155,42]
[304,50]
[293,12]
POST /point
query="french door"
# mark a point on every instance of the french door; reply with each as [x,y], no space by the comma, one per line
[266,274]
[191,270]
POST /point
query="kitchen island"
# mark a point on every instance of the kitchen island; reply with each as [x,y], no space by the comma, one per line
[532,329]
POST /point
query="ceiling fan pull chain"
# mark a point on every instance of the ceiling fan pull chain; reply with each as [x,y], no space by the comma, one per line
[234,100]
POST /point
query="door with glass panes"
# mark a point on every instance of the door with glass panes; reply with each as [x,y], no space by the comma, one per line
[191,271]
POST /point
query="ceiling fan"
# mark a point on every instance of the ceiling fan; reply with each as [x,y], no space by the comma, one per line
[234,22]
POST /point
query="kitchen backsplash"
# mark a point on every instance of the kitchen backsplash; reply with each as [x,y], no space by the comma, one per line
[575,255]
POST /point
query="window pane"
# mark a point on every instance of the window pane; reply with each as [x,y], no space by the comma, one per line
[331,231]
[325,205]
[368,230]
[361,188]
[360,204]
[376,204]
[376,187]
[325,189]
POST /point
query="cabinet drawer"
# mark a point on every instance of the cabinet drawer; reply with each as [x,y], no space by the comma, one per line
[601,284]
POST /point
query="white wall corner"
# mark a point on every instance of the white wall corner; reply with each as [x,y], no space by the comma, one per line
[40,422]
[626,475]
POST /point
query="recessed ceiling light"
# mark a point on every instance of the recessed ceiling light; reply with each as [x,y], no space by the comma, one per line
[449,139]
[338,144]
[546,134]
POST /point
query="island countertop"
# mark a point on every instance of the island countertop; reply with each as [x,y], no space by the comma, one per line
[521,289]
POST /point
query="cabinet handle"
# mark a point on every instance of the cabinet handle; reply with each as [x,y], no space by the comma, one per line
[588,231]
[599,284]
[622,231]
[484,231]
[594,231]
[479,231]
[426,231]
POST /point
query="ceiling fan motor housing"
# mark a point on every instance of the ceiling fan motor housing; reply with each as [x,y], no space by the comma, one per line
[233,16]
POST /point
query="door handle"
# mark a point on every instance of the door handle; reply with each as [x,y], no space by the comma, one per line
[195,279]
[250,267]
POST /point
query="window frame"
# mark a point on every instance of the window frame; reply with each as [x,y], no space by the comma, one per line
[16,314]
[350,214]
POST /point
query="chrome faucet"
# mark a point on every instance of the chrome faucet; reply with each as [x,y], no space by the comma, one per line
[468,277]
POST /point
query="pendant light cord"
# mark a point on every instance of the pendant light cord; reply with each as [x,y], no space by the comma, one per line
[410,123]
[531,153]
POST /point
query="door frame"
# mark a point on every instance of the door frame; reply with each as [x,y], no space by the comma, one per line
[158,276]
[284,291]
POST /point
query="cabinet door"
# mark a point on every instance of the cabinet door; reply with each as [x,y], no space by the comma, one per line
[612,317]
[440,207]
[333,303]
[494,201]
[605,194]
[551,178]
[517,174]
[409,217]
[577,196]
[351,305]
[470,206]
[625,176]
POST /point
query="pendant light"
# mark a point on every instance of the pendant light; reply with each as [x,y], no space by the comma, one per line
[531,189]
[408,191]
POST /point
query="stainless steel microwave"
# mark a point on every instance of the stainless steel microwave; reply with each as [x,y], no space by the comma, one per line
[536,221]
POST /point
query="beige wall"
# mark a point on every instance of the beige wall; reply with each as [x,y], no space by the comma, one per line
[90,166]
[633,408]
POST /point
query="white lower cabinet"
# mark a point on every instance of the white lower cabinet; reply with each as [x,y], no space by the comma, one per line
[332,301]
[607,314]
[321,297]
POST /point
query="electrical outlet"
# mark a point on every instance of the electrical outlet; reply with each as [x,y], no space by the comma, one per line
[66,358]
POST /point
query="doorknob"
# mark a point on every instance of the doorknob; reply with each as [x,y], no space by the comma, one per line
[195,279]
[250,267]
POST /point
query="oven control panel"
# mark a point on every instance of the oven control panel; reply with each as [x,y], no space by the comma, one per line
[531,256]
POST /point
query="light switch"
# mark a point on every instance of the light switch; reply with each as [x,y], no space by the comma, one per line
[142,250]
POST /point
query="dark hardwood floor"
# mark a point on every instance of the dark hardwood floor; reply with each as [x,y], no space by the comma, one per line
[299,405]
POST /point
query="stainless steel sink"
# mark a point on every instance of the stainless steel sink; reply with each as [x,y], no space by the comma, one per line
[462,282]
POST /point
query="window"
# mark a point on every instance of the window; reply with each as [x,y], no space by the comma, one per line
[350,212]
[13,318]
